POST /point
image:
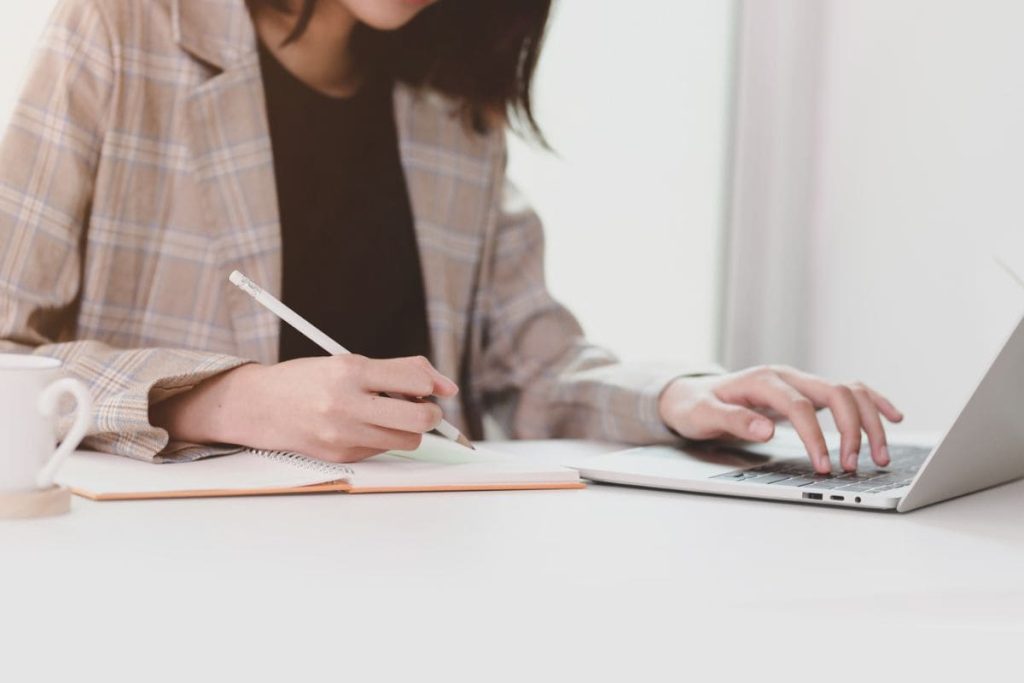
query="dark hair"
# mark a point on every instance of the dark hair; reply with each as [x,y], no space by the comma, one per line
[482,54]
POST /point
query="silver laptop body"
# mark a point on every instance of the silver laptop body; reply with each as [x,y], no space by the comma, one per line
[984,447]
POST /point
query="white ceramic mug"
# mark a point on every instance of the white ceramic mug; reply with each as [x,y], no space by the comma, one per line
[30,392]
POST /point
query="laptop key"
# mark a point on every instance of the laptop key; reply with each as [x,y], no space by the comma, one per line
[771,479]
[855,477]
[828,484]
[856,487]
[794,481]
[893,486]
[742,474]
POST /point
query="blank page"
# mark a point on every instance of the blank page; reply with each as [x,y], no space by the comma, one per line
[103,473]
[437,462]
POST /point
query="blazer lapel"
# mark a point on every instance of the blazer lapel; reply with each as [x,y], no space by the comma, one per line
[450,180]
[229,138]
[448,245]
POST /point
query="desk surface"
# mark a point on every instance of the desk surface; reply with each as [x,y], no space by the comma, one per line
[607,579]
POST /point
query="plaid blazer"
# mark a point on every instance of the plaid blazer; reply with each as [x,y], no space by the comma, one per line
[136,173]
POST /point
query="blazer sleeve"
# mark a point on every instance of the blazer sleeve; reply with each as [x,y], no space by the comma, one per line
[48,163]
[539,376]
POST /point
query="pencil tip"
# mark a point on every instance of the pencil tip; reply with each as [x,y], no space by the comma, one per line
[463,441]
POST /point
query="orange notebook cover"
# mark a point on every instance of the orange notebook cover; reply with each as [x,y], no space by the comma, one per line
[438,465]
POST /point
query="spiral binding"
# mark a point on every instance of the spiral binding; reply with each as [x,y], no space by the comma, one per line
[304,462]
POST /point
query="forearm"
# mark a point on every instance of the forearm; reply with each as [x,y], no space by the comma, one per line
[124,385]
[213,411]
[580,392]
[611,401]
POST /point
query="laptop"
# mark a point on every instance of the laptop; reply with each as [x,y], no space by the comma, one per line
[984,447]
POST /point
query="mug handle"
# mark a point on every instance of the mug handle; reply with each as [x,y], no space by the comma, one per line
[47,404]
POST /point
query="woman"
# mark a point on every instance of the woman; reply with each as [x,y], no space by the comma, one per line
[348,155]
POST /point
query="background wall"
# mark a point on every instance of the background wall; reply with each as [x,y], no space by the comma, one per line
[635,101]
[634,98]
[921,171]
[911,183]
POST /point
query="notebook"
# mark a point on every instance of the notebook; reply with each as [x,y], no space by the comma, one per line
[437,465]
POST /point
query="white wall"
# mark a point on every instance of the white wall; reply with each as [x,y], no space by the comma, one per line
[913,182]
[921,181]
[634,99]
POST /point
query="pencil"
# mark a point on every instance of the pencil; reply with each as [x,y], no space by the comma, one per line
[315,335]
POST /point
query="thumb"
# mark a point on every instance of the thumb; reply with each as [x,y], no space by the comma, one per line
[740,422]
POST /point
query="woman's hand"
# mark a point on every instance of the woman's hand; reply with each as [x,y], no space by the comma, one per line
[745,404]
[330,408]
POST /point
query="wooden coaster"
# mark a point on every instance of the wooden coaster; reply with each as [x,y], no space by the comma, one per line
[55,500]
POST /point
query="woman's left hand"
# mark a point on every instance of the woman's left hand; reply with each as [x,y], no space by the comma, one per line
[745,405]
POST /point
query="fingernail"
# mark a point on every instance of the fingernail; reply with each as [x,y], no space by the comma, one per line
[761,429]
[824,466]
[883,454]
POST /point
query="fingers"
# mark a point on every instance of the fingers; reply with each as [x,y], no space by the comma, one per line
[351,442]
[892,414]
[855,407]
[337,453]
[352,454]
[840,400]
[413,376]
[872,422]
[719,419]
[767,389]
[406,416]
[847,417]
[386,439]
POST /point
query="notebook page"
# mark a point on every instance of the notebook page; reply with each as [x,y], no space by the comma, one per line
[386,471]
[437,462]
[103,473]
[441,462]
[437,449]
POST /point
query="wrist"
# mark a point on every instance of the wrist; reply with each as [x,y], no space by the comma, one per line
[669,401]
[230,399]
[213,411]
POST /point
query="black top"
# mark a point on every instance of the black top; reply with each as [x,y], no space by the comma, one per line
[351,263]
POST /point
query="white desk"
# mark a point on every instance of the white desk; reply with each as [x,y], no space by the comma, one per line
[605,581]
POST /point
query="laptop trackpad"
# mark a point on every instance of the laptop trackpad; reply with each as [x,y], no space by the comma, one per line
[673,462]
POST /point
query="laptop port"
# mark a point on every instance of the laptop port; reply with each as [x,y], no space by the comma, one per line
[837,498]
[813,496]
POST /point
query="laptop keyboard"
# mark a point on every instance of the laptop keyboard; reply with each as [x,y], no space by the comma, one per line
[905,461]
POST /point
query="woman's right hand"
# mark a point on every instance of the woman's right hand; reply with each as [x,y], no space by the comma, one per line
[329,407]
